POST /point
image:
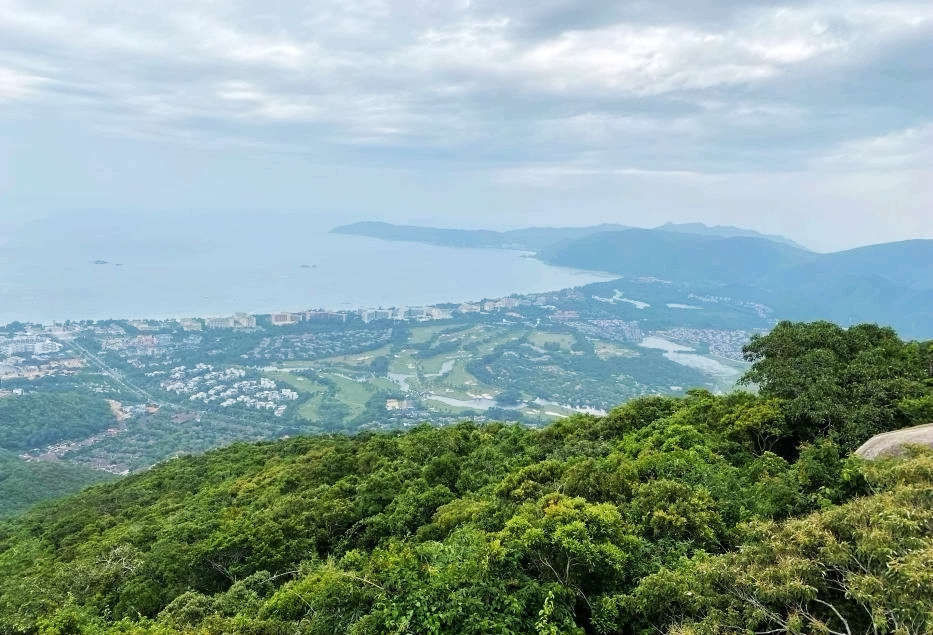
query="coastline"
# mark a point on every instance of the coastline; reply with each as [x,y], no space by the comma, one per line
[295,281]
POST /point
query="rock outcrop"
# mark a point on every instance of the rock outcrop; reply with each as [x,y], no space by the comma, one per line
[893,443]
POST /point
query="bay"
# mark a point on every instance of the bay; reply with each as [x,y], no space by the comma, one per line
[99,265]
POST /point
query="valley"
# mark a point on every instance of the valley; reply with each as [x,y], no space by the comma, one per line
[184,386]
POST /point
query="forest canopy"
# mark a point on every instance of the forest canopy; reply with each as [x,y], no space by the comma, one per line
[37,419]
[743,512]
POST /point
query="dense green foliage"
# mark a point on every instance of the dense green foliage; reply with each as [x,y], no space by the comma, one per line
[848,384]
[23,483]
[705,513]
[34,420]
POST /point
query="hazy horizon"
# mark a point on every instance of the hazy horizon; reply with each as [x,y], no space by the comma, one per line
[809,120]
[177,219]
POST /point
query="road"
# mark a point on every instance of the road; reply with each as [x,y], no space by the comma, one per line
[145,395]
[114,374]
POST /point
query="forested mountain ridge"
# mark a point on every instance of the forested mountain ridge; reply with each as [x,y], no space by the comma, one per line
[697,514]
[887,283]
[678,256]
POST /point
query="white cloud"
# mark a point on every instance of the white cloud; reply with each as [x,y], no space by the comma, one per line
[562,176]
[301,59]
[17,85]
[535,95]
[910,149]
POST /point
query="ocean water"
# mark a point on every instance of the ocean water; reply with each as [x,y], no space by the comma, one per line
[125,265]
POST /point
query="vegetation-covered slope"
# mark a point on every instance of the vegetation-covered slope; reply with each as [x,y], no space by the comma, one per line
[677,256]
[33,420]
[24,483]
[888,283]
[698,514]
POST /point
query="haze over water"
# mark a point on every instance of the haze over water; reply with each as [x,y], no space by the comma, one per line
[201,265]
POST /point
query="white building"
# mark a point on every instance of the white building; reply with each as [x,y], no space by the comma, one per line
[244,321]
[283,319]
[219,323]
[190,324]
[28,345]
[371,315]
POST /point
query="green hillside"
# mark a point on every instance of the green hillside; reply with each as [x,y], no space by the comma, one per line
[678,256]
[32,420]
[25,483]
[887,283]
[702,514]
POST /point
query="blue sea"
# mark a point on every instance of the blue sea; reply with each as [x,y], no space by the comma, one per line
[96,265]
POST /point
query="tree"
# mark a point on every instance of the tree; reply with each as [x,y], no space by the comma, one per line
[842,383]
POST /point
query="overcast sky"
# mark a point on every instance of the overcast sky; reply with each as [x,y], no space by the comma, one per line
[810,119]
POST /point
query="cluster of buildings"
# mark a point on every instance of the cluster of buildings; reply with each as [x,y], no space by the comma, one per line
[236,321]
[489,305]
[761,310]
[308,345]
[14,368]
[143,345]
[420,313]
[563,316]
[190,324]
[23,357]
[399,404]
[611,329]
[726,344]
[30,345]
[314,315]
[123,411]
[366,315]
[228,387]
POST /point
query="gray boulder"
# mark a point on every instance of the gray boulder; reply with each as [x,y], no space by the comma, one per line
[893,443]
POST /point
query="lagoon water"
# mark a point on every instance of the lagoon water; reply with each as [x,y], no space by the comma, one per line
[103,265]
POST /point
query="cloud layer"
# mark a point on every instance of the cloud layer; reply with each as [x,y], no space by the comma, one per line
[511,96]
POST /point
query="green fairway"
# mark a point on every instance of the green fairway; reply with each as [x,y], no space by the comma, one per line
[541,338]
[299,383]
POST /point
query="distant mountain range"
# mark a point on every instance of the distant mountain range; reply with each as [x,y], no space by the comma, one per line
[889,283]
[531,238]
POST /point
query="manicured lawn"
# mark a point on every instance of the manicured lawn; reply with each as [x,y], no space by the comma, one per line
[357,359]
[301,384]
[540,338]
[308,410]
[354,394]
